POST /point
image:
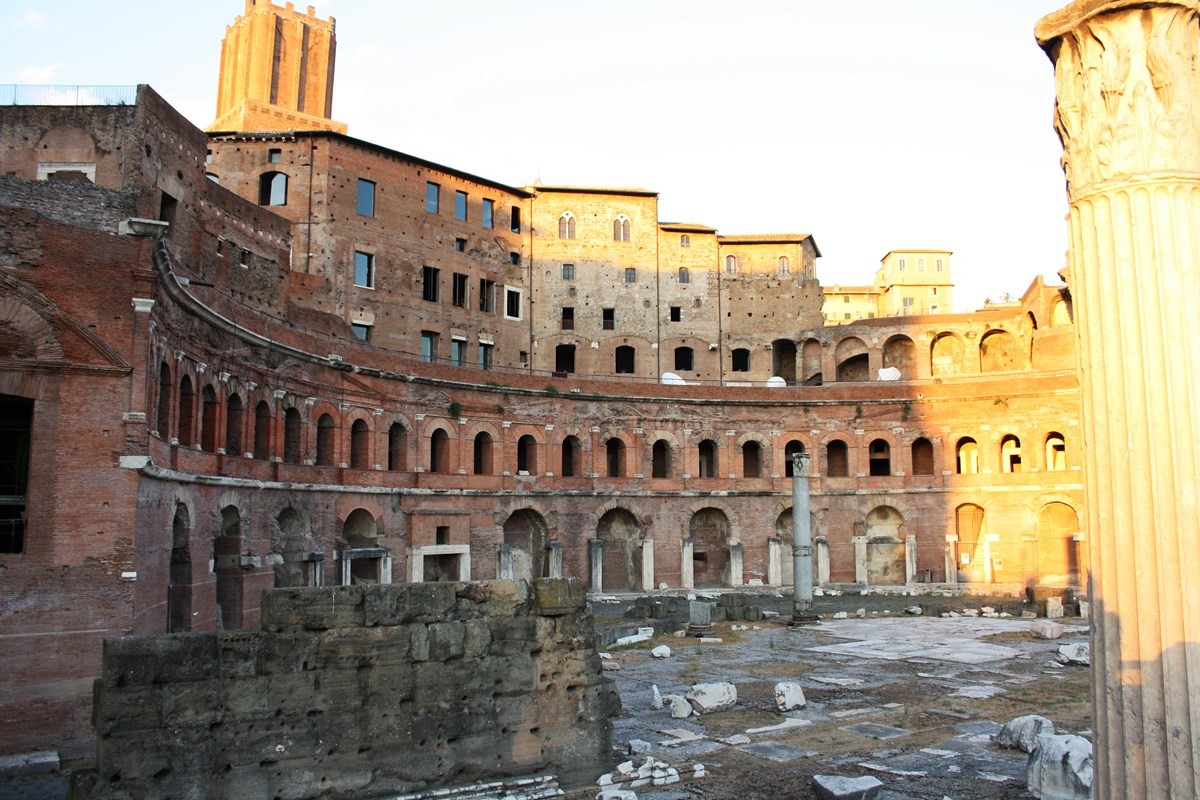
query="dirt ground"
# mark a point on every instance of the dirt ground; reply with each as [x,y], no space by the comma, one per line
[930,691]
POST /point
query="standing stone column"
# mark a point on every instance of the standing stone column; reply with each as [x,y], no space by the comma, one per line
[1128,114]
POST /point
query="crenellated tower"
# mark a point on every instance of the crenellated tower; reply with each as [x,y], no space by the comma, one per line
[277,71]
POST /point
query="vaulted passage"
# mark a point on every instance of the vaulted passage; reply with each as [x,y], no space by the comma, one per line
[621,540]
[709,532]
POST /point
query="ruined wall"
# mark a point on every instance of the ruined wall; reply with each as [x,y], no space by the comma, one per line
[373,691]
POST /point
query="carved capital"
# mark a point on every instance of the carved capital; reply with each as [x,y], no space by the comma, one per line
[1127,74]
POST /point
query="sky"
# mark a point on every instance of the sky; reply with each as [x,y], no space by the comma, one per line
[874,125]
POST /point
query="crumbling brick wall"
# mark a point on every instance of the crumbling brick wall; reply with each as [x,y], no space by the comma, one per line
[362,691]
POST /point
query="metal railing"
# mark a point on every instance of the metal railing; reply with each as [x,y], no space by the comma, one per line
[15,94]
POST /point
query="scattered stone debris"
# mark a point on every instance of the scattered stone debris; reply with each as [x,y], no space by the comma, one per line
[709,698]
[914,611]
[787,724]
[643,635]
[836,787]
[610,666]
[839,681]
[656,698]
[1045,629]
[789,696]
[662,651]
[638,747]
[1054,608]
[680,707]
[1060,768]
[1021,733]
[1075,654]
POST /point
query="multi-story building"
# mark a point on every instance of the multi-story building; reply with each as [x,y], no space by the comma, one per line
[908,282]
[276,358]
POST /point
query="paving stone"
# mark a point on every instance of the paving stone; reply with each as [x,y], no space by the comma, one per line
[776,752]
[875,730]
[836,787]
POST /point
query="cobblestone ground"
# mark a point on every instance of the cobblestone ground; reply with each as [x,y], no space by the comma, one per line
[912,701]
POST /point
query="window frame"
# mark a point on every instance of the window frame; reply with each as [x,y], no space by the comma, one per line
[509,293]
[487,213]
[433,197]
[369,198]
[369,261]
[462,205]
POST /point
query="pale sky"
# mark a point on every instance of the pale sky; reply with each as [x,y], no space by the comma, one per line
[874,125]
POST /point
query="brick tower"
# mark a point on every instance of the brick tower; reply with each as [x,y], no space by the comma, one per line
[276,71]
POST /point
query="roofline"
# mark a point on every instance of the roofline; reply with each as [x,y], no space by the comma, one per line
[538,188]
[772,238]
[690,227]
[458,173]
[939,252]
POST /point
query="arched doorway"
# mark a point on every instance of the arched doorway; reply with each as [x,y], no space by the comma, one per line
[709,531]
[290,544]
[1057,550]
[621,544]
[783,532]
[526,534]
[783,360]
[885,549]
[227,564]
[179,580]
[363,557]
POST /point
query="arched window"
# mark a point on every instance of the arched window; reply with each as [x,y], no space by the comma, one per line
[208,420]
[792,448]
[570,457]
[187,399]
[1056,452]
[751,460]
[661,466]
[360,445]
[262,430]
[685,240]
[165,387]
[621,228]
[325,441]
[564,358]
[922,457]
[397,447]
[731,264]
[741,360]
[684,275]
[880,458]
[967,454]
[684,358]
[837,459]
[439,451]
[291,436]
[708,459]
[1010,454]
[527,455]
[784,265]
[614,457]
[233,425]
[566,226]
[483,453]
[625,360]
[272,189]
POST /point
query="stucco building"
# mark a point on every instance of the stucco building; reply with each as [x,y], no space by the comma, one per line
[245,359]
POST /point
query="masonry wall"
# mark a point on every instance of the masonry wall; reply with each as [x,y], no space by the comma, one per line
[360,691]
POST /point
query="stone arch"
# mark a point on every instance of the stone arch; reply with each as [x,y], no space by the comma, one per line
[527,534]
[662,451]
[756,454]
[886,558]
[291,542]
[811,359]
[1000,351]
[1060,313]
[1058,561]
[620,534]
[969,521]
[228,546]
[900,352]
[26,334]
[179,576]
[440,453]
[853,359]
[710,531]
[783,532]
[946,355]
[783,360]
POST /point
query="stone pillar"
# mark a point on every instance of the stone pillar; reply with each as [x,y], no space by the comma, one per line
[910,558]
[596,564]
[687,573]
[504,562]
[951,558]
[735,564]
[860,559]
[555,554]
[1128,79]
[775,561]
[821,548]
[648,565]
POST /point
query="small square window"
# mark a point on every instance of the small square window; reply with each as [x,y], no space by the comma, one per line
[361,330]
[676,313]
[512,303]
[514,259]
[568,318]
[523,357]
[208,157]
[485,215]
[631,274]
[430,283]
[364,269]
[460,245]
[366,198]
[608,319]
[568,272]
[432,197]
[274,155]
[460,206]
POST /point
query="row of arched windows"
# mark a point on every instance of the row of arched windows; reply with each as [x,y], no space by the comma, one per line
[1053,454]
[622,228]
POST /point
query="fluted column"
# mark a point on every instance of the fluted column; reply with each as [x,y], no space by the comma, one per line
[1128,113]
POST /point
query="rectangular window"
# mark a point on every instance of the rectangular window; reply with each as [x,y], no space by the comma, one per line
[940,265]
[568,272]
[514,259]
[902,264]
[845,298]
[364,269]
[631,274]
[933,291]
[568,318]
[608,319]
[920,265]
[515,220]
[432,197]
[489,208]
[458,352]
[366,198]
[485,355]
[459,290]
[676,313]
[460,245]
[16,427]
[429,346]
[274,155]
[908,306]
[460,206]
[361,330]
[512,303]
[430,283]
[487,296]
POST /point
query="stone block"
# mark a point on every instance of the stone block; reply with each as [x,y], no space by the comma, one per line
[1078,654]
[708,698]
[1021,733]
[386,605]
[208,702]
[492,599]
[680,707]
[1045,629]
[514,674]
[134,708]
[390,683]
[447,640]
[701,613]
[145,660]
[1060,768]
[477,640]
[555,597]
[312,609]
[662,651]
[238,652]
[284,653]
[431,602]
[837,787]
[1054,608]
[789,696]
[514,635]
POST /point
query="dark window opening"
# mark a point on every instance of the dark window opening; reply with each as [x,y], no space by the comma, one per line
[837,459]
[208,420]
[676,314]
[879,458]
[527,455]
[568,318]
[430,283]
[432,197]
[741,360]
[460,245]
[439,451]
[262,430]
[360,445]
[751,460]
[922,457]
[792,448]
[570,457]
[515,220]
[625,358]
[483,453]
[364,269]
[16,427]
[441,534]
[397,447]
[325,441]
[487,296]
[291,436]
[614,452]
[459,290]
[684,357]
[708,459]
[512,303]
[187,400]
[564,358]
[661,460]
[233,425]
[608,321]
[272,189]
[487,212]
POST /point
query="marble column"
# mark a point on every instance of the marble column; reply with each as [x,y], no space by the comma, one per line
[1128,114]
